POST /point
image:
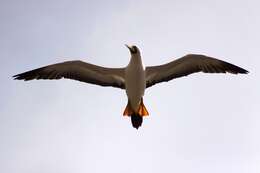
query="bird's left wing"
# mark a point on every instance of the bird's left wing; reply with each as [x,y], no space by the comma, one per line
[78,70]
[186,65]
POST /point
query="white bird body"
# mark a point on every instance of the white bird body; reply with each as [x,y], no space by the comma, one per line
[135,81]
[133,78]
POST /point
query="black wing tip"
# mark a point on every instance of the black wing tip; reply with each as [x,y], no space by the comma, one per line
[231,68]
[245,72]
[240,70]
[20,77]
[17,77]
[28,75]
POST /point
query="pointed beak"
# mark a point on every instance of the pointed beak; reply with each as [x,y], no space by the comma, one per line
[128,47]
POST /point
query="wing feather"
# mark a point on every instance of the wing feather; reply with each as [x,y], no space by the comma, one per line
[77,70]
[186,65]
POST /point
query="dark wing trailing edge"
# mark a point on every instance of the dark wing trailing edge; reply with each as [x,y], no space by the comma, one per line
[78,70]
[186,65]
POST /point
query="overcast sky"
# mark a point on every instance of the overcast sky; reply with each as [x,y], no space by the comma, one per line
[197,124]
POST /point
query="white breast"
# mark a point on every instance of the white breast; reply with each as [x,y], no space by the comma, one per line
[135,81]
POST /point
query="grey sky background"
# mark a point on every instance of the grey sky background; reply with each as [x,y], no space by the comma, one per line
[202,123]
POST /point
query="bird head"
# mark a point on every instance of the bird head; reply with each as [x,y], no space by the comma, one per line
[133,49]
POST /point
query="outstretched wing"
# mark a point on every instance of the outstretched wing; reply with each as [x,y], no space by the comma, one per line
[78,70]
[186,65]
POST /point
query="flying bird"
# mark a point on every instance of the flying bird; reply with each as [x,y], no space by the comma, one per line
[133,78]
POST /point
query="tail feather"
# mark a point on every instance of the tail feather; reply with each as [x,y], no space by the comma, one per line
[136,116]
[136,120]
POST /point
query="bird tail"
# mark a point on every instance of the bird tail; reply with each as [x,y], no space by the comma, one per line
[136,120]
[136,117]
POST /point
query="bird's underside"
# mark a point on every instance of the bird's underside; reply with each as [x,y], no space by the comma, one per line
[115,77]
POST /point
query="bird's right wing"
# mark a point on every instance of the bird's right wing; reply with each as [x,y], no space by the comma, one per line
[78,70]
[186,65]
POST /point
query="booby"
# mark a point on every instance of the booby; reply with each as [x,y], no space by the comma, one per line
[133,78]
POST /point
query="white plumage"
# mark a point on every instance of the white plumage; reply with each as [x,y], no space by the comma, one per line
[135,80]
